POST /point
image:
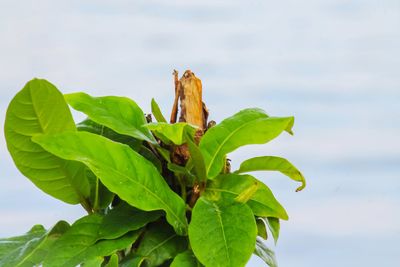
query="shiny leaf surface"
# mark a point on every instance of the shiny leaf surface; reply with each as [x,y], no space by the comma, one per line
[185,259]
[160,243]
[271,163]
[262,201]
[171,133]
[30,249]
[39,108]
[222,233]
[123,171]
[84,241]
[249,126]
[120,114]
[155,109]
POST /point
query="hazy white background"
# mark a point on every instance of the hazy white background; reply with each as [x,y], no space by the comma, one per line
[333,64]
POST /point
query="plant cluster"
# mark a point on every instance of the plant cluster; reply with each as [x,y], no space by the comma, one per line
[143,208]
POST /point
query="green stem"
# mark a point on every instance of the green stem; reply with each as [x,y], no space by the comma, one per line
[183,187]
[154,150]
[96,196]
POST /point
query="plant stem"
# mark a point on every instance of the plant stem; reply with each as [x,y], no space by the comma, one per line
[96,197]
[183,187]
[85,204]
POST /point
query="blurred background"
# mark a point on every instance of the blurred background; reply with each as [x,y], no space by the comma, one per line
[333,64]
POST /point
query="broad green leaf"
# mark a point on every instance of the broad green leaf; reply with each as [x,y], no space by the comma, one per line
[82,235]
[30,249]
[160,243]
[113,262]
[249,126]
[248,193]
[39,108]
[155,109]
[123,171]
[222,233]
[185,259]
[87,238]
[261,228]
[149,155]
[266,254]
[100,196]
[132,261]
[171,133]
[120,114]
[274,227]
[177,169]
[262,202]
[11,243]
[271,163]
[164,153]
[92,127]
[94,262]
[101,248]
[198,160]
[123,219]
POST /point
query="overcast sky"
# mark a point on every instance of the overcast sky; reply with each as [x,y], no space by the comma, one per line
[332,64]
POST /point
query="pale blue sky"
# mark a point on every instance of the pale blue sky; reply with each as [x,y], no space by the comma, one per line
[332,64]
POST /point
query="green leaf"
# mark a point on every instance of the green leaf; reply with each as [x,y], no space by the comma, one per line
[120,114]
[271,163]
[248,193]
[101,248]
[164,153]
[82,234]
[9,244]
[113,262]
[132,261]
[93,235]
[198,161]
[261,228]
[274,227]
[222,233]
[39,108]
[262,202]
[123,219]
[177,169]
[86,240]
[267,255]
[185,259]
[92,127]
[160,243]
[155,109]
[31,248]
[172,133]
[123,171]
[149,155]
[249,126]
[94,262]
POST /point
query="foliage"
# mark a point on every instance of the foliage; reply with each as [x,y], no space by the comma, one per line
[142,207]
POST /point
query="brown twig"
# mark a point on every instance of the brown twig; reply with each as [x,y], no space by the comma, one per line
[174,113]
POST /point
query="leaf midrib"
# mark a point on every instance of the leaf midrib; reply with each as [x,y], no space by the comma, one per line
[33,251]
[160,244]
[217,210]
[63,170]
[148,190]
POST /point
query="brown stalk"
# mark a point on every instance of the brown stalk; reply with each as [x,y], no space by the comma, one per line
[188,90]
